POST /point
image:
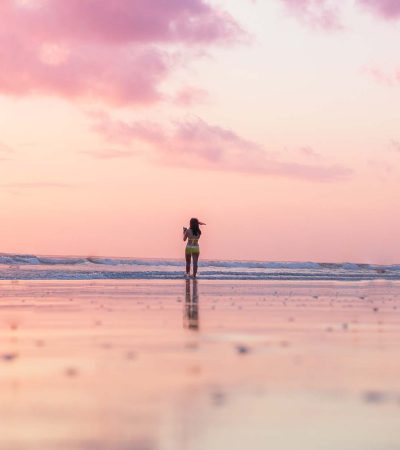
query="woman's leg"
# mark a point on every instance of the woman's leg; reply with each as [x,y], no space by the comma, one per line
[195,261]
[188,257]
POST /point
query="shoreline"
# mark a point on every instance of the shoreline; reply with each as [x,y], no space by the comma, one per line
[211,282]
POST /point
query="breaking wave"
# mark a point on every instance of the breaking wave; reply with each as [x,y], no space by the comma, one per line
[22,266]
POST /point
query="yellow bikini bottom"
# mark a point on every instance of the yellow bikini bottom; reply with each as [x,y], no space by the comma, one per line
[192,249]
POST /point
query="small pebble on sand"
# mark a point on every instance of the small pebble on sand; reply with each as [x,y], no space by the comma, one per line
[218,398]
[242,349]
[374,397]
[130,355]
[71,372]
[9,356]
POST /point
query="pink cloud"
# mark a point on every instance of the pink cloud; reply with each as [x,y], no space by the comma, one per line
[388,9]
[309,152]
[120,132]
[125,21]
[305,153]
[388,78]
[325,14]
[316,13]
[198,145]
[105,73]
[117,51]
[189,96]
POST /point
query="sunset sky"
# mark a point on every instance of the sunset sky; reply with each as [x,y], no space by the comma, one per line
[276,122]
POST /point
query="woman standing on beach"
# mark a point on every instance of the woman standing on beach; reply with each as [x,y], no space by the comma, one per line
[192,235]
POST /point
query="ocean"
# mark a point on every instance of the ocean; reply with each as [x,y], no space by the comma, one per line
[34,267]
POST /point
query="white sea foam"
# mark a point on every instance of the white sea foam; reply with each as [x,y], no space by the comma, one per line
[15,266]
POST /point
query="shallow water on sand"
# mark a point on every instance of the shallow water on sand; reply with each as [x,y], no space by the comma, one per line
[170,365]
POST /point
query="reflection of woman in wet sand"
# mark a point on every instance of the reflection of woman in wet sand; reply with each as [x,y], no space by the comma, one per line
[191,313]
[192,235]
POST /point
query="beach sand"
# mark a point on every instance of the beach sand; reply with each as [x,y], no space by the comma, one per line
[175,365]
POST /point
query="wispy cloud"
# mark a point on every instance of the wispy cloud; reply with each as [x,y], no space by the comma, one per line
[120,132]
[386,77]
[309,152]
[327,14]
[382,171]
[189,96]
[5,152]
[305,153]
[6,149]
[395,145]
[323,14]
[195,144]
[109,153]
[116,51]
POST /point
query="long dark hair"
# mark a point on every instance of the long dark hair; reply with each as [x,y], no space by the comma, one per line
[194,226]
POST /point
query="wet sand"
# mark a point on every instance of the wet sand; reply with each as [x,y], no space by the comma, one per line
[170,365]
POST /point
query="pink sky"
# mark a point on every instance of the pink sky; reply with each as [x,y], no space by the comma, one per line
[276,122]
